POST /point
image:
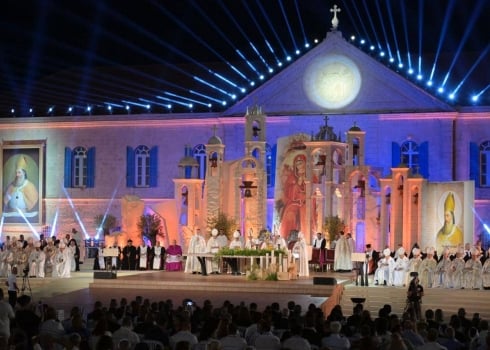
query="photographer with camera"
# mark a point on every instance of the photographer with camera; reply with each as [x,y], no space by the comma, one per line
[13,289]
[414,297]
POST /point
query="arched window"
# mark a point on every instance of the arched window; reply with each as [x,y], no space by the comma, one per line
[410,155]
[142,166]
[200,155]
[79,167]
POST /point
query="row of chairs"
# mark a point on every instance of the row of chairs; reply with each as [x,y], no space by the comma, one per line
[322,259]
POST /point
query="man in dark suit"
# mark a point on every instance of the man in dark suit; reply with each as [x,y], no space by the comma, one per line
[319,242]
[372,257]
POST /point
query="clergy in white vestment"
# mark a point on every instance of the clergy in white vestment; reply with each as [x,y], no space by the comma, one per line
[472,271]
[400,268]
[414,262]
[158,253]
[197,245]
[279,242]
[299,250]
[456,270]
[37,260]
[384,272]
[485,273]
[427,269]
[343,254]
[143,256]
[62,262]
[212,247]
[440,275]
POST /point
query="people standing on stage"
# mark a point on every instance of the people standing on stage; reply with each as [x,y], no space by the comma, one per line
[384,272]
[222,240]
[300,252]
[415,261]
[75,253]
[129,256]
[472,271]
[236,243]
[485,273]
[400,269]
[212,247]
[49,251]
[197,245]
[142,253]
[173,257]
[37,260]
[442,268]
[372,257]
[99,259]
[250,242]
[352,242]
[427,269]
[158,252]
[115,260]
[456,269]
[333,243]
[62,262]
[343,254]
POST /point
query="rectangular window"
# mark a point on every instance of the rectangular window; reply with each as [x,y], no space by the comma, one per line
[485,169]
[142,170]
[80,171]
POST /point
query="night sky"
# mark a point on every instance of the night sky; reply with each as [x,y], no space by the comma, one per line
[64,52]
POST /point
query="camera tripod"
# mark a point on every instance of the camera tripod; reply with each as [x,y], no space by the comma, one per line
[26,285]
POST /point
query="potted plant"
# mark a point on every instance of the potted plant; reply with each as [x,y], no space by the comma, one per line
[105,223]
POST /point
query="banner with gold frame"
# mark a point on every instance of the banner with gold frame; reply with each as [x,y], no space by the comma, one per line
[22,179]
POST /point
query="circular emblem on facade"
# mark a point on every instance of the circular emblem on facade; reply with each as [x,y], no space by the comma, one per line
[332,81]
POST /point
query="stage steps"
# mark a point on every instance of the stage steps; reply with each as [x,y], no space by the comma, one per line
[214,283]
[448,300]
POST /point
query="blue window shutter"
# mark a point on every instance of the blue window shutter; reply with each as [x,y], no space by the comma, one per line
[68,167]
[395,155]
[154,166]
[424,159]
[475,163]
[129,167]
[91,167]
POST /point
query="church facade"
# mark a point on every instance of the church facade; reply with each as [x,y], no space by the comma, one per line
[390,160]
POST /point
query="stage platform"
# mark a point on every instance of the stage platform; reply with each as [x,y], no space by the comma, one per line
[83,289]
[179,281]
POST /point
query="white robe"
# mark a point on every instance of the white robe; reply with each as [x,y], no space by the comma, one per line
[299,250]
[440,275]
[384,272]
[400,270]
[143,251]
[36,263]
[343,255]
[62,264]
[101,258]
[197,245]
[212,246]
[157,259]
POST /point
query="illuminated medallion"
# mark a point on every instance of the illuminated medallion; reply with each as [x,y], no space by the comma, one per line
[332,81]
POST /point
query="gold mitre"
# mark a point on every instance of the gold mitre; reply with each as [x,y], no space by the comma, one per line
[21,163]
[449,202]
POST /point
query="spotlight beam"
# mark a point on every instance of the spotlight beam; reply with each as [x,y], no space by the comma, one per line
[472,68]
[300,21]
[445,24]
[266,16]
[380,15]
[287,24]
[466,34]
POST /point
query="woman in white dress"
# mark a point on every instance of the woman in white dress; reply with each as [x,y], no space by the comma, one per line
[485,273]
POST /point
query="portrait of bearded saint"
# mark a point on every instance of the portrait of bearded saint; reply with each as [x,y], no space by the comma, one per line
[21,195]
[449,235]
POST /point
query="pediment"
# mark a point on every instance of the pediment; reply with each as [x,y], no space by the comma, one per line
[324,81]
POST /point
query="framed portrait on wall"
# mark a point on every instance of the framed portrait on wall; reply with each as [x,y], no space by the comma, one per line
[22,182]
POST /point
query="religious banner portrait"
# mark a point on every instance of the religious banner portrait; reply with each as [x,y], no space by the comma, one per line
[22,182]
[290,190]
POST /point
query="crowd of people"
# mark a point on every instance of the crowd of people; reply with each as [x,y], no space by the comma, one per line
[139,323]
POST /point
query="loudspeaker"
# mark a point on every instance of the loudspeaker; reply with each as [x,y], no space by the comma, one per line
[329,281]
[105,275]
